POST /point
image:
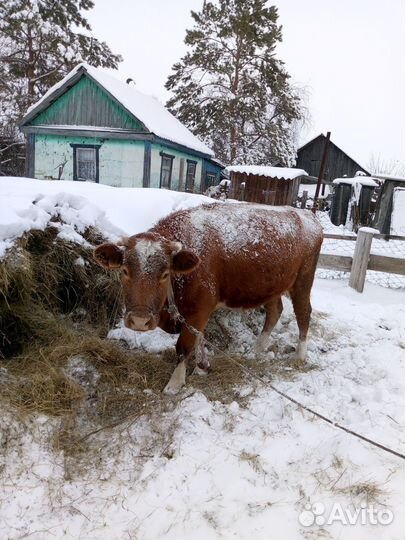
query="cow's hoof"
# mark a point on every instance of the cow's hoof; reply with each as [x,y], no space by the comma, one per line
[177,380]
[298,362]
[199,371]
[171,389]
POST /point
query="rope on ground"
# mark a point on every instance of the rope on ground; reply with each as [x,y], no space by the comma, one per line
[176,315]
[317,414]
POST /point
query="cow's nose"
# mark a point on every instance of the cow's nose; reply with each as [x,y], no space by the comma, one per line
[135,322]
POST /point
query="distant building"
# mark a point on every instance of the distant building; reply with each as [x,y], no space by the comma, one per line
[351,200]
[92,127]
[338,164]
[385,204]
[265,185]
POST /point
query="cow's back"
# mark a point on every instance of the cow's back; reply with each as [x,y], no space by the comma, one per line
[247,251]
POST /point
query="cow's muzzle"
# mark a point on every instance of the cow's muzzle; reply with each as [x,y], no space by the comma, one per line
[140,320]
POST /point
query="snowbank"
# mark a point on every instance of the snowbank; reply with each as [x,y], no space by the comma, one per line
[30,204]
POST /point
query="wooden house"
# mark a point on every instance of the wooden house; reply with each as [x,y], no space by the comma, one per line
[338,163]
[92,127]
[265,185]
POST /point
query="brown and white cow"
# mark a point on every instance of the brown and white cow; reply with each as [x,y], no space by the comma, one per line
[211,256]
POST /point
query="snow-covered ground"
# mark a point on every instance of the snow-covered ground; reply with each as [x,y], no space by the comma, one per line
[241,470]
[259,467]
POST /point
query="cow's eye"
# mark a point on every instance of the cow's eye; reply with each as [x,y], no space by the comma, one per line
[165,275]
[125,272]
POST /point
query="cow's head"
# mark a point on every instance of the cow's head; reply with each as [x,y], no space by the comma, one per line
[147,262]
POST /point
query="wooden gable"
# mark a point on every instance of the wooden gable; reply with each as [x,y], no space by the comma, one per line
[338,163]
[87,104]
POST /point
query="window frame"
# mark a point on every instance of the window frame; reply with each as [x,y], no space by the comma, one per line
[171,158]
[95,147]
[186,184]
[210,174]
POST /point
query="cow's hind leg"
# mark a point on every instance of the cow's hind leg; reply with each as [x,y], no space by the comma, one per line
[301,301]
[273,309]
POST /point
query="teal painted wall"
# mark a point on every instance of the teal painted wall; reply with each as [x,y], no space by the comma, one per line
[156,161]
[121,161]
[86,104]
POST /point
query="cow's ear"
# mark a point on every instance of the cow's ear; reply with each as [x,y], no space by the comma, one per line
[184,262]
[109,255]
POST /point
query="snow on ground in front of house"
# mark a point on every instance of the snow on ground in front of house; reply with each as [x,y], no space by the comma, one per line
[30,204]
[244,470]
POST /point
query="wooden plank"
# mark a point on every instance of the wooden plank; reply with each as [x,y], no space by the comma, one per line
[388,237]
[360,259]
[94,134]
[146,164]
[30,156]
[392,265]
[181,175]
[304,200]
[335,262]
[340,237]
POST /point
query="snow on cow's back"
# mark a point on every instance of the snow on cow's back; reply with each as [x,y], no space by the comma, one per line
[240,226]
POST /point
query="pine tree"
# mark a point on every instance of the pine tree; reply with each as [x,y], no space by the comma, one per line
[41,41]
[231,90]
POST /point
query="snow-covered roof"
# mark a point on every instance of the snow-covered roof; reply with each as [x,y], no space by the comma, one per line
[155,117]
[363,180]
[286,173]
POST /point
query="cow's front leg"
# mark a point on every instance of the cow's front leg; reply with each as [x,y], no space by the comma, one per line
[201,361]
[178,378]
[189,338]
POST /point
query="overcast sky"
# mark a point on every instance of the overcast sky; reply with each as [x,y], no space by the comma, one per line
[348,55]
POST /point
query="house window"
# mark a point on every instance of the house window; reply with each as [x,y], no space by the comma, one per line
[166,171]
[85,162]
[190,175]
[210,179]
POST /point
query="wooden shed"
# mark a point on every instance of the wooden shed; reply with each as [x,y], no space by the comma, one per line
[265,185]
[351,200]
[338,163]
[383,213]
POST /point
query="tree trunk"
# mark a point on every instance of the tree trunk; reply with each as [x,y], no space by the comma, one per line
[234,90]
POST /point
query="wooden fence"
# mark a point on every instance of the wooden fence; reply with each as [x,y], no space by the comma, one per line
[362,259]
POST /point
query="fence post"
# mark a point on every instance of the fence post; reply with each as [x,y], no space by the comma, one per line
[360,258]
[304,199]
